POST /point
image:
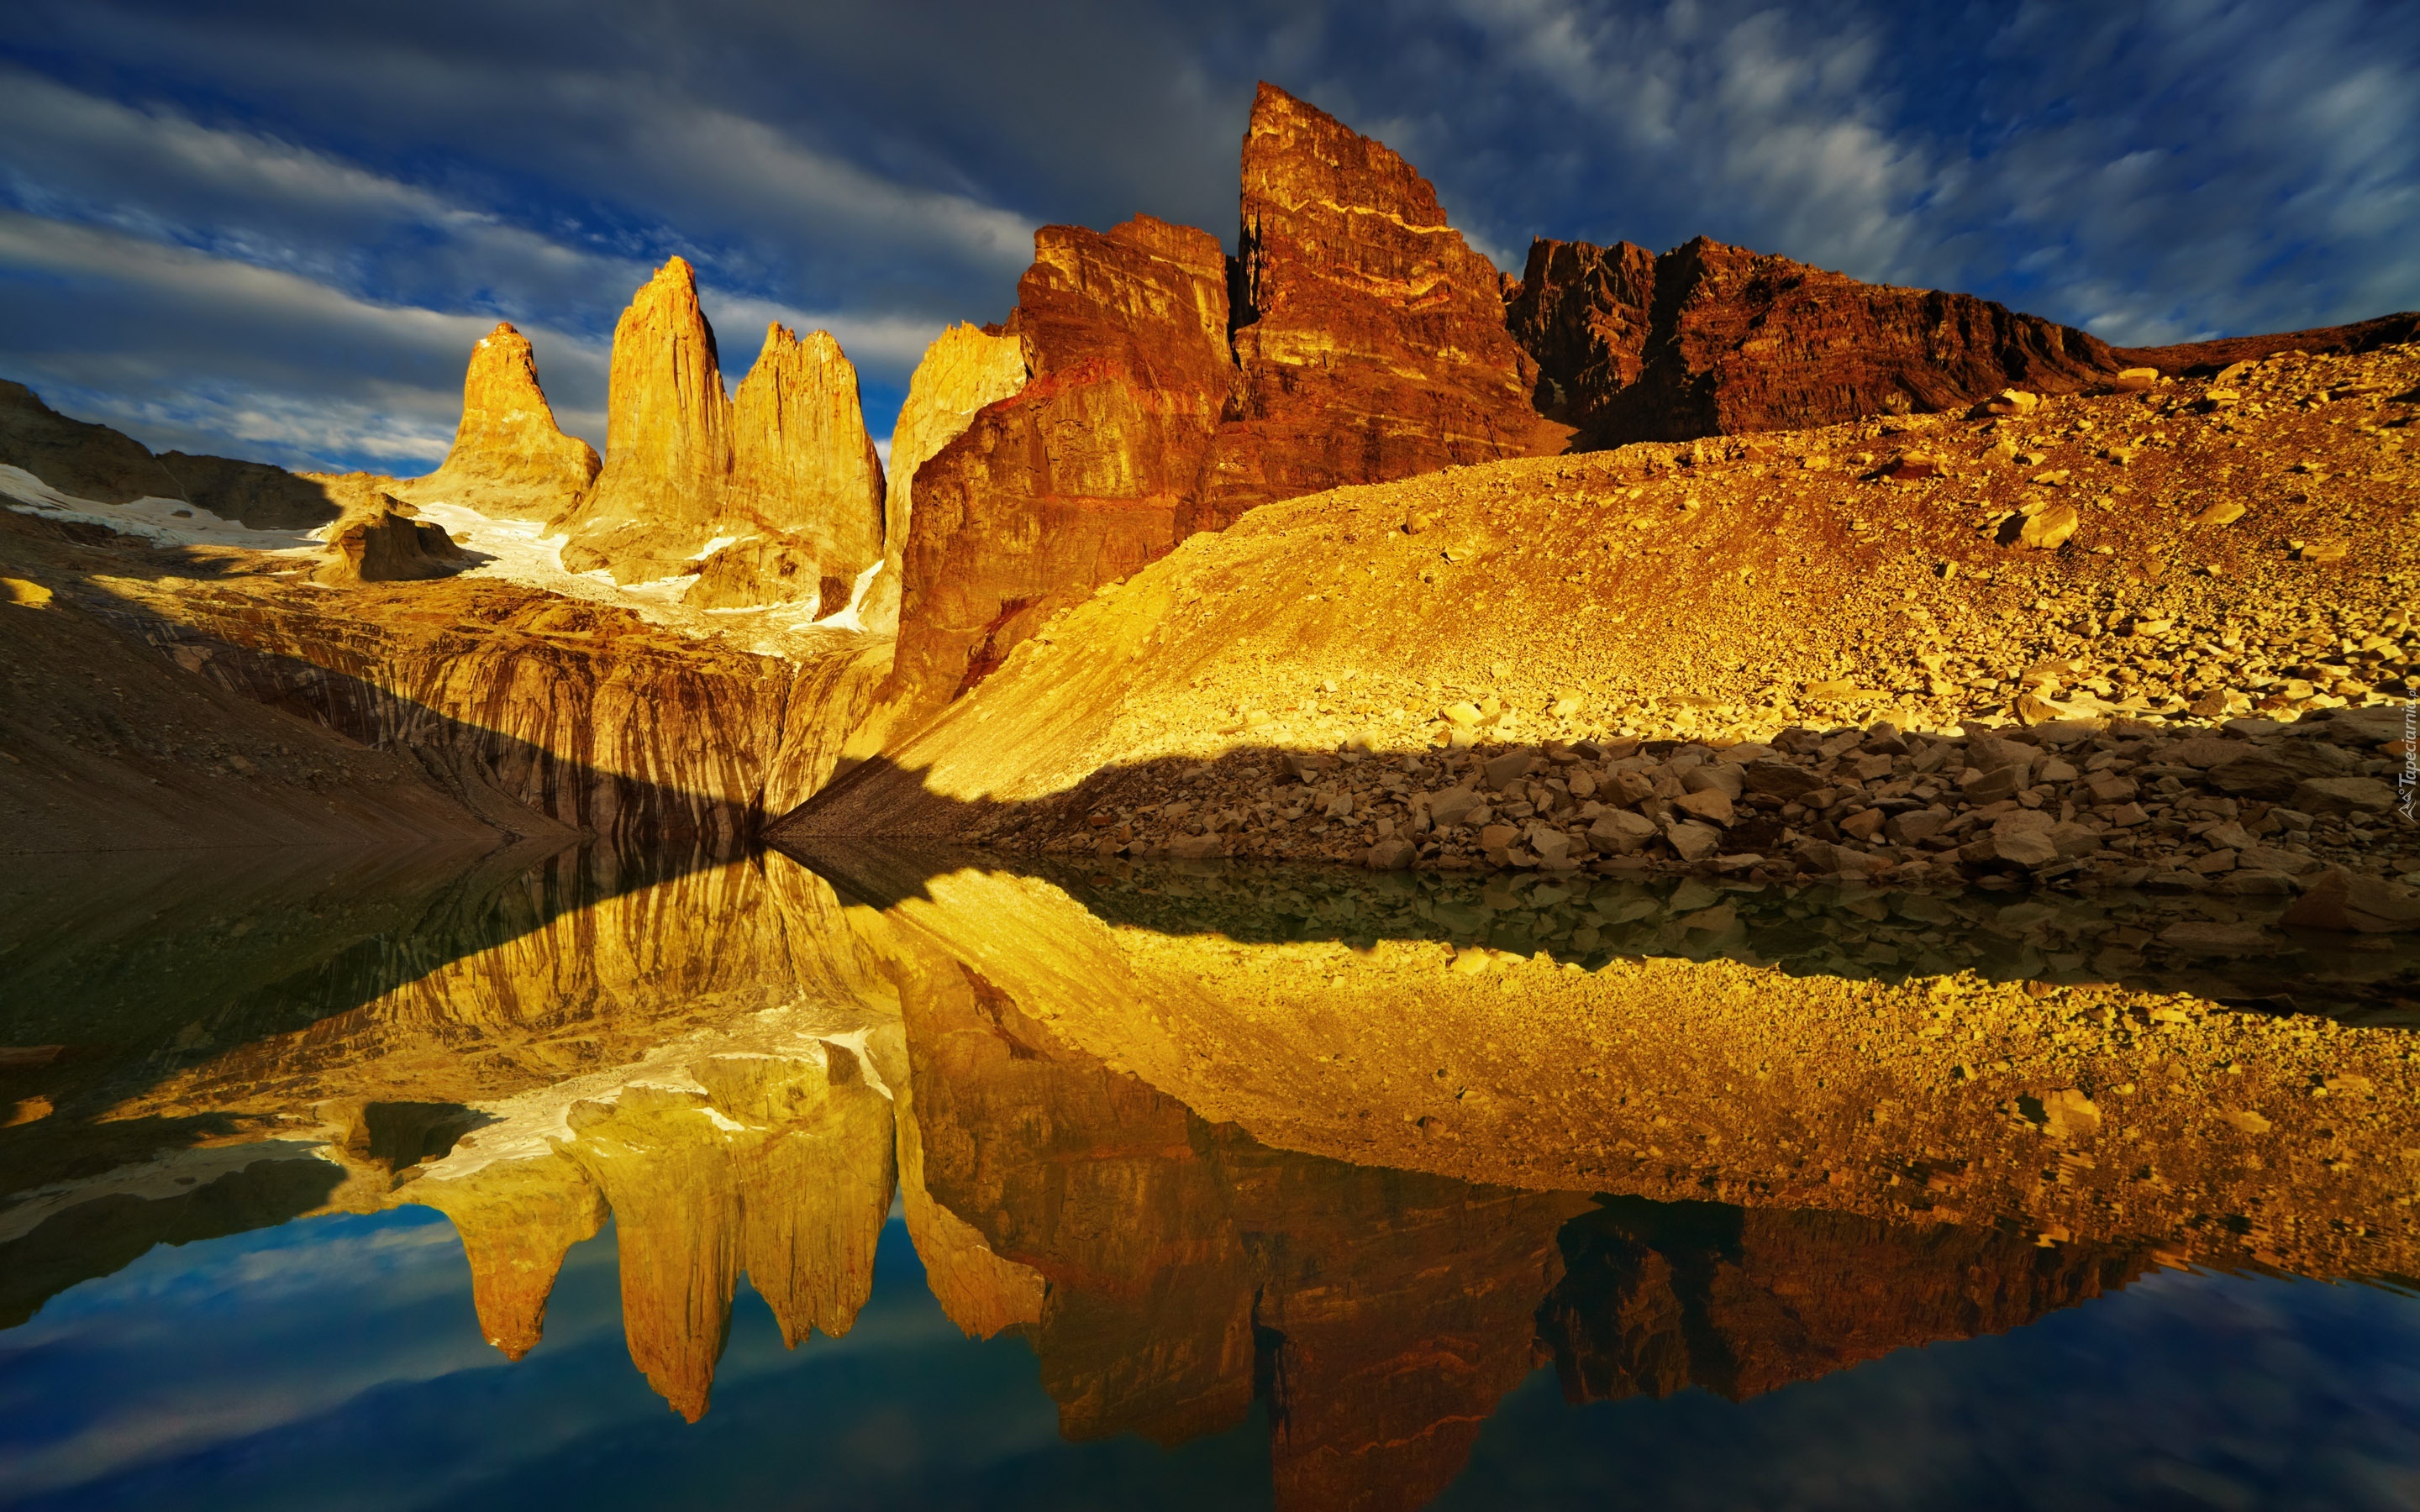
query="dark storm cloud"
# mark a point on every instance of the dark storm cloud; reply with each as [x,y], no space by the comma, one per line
[274,227]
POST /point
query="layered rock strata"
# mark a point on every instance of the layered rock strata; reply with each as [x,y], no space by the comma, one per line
[1709,339]
[1367,344]
[509,458]
[766,498]
[528,709]
[1369,338]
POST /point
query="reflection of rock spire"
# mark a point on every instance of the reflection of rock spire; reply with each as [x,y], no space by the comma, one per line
[778,1166]
[518,1218]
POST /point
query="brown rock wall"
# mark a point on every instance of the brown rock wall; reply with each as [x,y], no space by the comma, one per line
[1710,339]
[1367,344]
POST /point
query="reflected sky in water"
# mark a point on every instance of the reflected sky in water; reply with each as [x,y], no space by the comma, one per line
[637,1089]
[335,1361]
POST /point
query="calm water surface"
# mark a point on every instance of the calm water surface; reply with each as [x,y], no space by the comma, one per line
[427,1181]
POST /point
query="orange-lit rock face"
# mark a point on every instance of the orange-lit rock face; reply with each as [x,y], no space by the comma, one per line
[1080,478]
[787,462]
[1385,1313]
[780,1168]
[1369,336]
[517,1219]
[801,460]
[1371,346]
[964,370]
[1709,340]
[509,458]
[667,439]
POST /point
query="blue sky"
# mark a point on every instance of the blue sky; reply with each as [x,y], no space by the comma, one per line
[273,227]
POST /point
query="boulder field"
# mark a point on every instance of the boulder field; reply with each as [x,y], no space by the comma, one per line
[2161,632]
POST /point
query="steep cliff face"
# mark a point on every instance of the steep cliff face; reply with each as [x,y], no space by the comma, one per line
[518,703]
[667,439]
[781,484]
[1709,340]
[1369,344]
[1079,479]
[800,460]
[964,370]
[1370,337]
[509,458]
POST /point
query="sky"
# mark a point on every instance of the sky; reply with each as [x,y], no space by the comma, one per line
[273,228]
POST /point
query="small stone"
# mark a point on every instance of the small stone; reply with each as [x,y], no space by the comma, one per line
[1621,832]
[1863,826]
[1551,845]
[2049,529]
[1507,768]
[1711,805]
[2223,512]
[1694,842]
[2135,380]
[2342,795]
[1916,825]
[2028,848]
[1498,836]
[1453,806]
[1392,855]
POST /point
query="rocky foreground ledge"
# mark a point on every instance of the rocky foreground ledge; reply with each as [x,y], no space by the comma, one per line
[2255,806]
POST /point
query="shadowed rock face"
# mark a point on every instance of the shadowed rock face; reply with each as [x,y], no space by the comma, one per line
[76,456]
[90,461]
[509,458]
[1709,340]
[1656,1297]
[787,462]
[1365,341]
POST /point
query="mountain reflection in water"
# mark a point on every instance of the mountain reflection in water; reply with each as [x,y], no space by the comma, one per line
[1338,1161]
